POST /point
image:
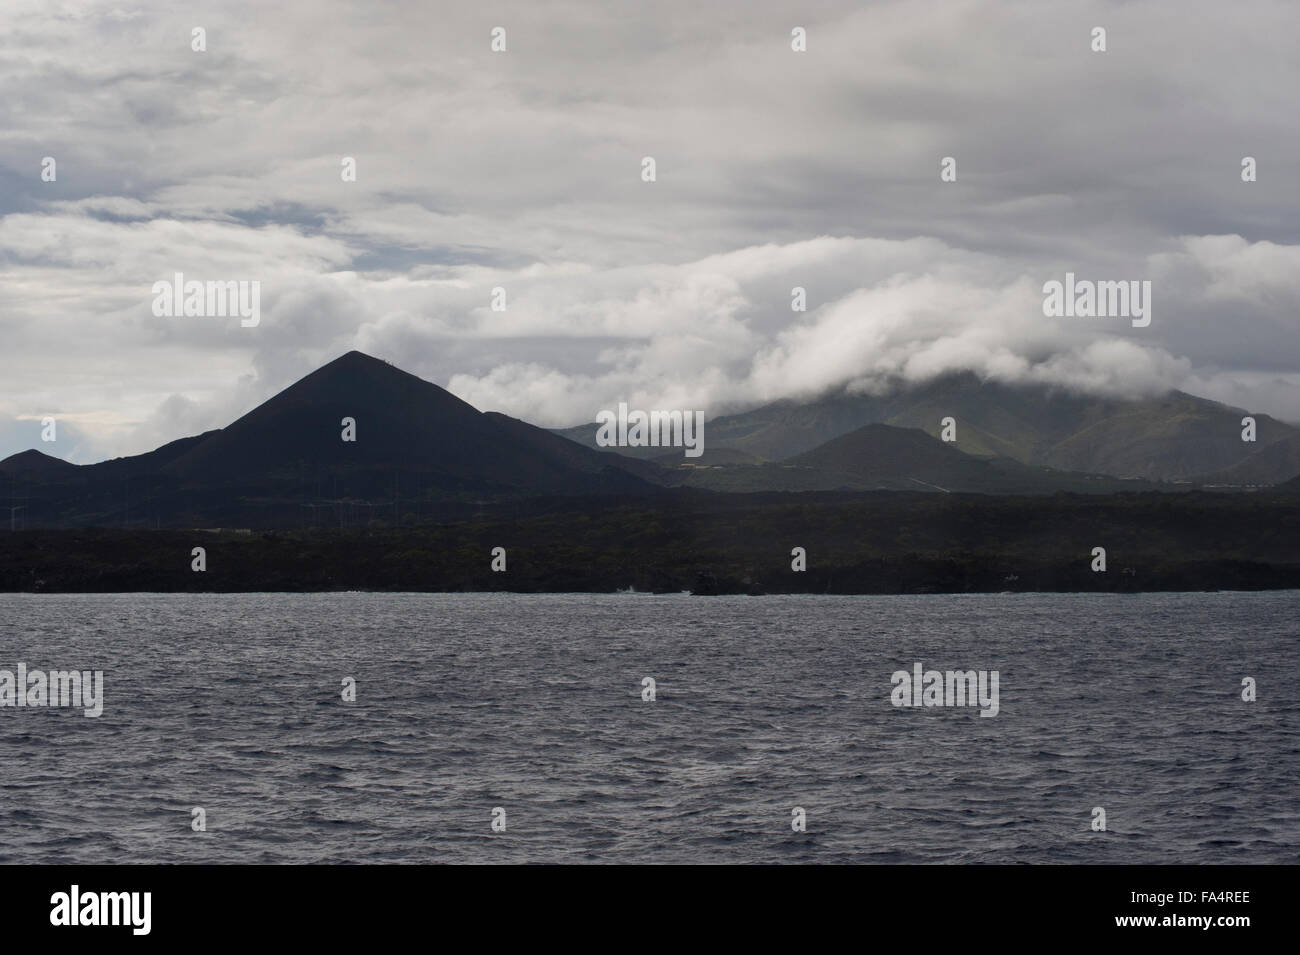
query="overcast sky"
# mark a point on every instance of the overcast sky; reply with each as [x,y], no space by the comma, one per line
[523,170]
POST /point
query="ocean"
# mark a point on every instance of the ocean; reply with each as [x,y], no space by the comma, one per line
[510,728]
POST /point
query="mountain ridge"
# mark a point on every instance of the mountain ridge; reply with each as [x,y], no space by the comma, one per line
[356,433]
[362,440]
[1171,437]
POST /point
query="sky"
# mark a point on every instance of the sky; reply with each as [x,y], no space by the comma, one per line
[522,169]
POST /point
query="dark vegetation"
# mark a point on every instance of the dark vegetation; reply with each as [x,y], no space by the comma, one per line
[883,542]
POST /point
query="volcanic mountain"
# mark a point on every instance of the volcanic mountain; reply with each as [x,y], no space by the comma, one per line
[416,447]
[401,422]
[1173,437]
[881,457]
[359,441]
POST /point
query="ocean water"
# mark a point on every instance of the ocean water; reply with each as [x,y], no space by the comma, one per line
[532,704]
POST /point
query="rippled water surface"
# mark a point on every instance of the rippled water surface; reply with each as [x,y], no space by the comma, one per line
[470,702]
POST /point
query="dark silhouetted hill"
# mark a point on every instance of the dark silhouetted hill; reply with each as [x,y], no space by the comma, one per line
[418,448]
[35,464]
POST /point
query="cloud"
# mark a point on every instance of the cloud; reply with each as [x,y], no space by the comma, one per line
[899,312]
[521,170]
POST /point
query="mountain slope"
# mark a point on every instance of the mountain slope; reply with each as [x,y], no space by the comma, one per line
[1276,463]
[419,452]
[1175,437]
[401,423]
[883,457]
[151,462]
[36,464]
